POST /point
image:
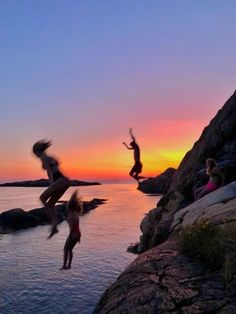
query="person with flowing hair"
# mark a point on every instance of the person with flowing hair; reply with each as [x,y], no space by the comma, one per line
[58,182]
[216,179]
[74,210]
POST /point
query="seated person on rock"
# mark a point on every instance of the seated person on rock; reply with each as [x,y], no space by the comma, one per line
[216,179]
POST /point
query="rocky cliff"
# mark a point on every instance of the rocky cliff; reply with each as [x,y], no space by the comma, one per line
[166,278]
[218,141]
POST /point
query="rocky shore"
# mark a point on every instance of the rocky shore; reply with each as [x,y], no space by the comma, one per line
[166,278]
[16,219]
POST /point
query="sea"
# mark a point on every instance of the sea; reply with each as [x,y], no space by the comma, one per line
[30,277]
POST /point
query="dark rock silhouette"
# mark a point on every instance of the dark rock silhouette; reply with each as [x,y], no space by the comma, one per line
[218,141]
[163,279]
[158,185]
[17,218]
[45,182]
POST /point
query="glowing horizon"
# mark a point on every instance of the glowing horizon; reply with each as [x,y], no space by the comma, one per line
[114,161]
[82,73]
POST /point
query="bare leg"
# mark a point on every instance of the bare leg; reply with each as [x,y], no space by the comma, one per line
[53,215]
[203,193]
[49,198]
[72,245]
[197,192]
[65,259]
[134,175]
[70,259]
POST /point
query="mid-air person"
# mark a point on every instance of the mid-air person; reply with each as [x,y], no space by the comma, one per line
[137,167]
[74,209]
[58,183]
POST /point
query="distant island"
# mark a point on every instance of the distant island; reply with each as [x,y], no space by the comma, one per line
[45,182]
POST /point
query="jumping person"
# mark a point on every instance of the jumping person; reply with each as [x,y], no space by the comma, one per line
[216,179]
[74,209]
[58,183]
[137,168]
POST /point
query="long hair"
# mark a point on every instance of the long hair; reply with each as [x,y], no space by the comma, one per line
[75,203]
[41,146]
[211,163]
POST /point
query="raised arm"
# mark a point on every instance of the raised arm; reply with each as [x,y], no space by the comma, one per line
[131,134]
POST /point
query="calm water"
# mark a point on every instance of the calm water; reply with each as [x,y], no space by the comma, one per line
[30,279]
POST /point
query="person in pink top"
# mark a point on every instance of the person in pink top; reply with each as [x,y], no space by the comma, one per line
[216,179]
[74,209]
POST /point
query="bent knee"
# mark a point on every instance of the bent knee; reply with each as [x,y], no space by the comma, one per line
[42,199]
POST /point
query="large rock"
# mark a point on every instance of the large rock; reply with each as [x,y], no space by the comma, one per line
[164,280]
[15,219]
[159,184]
[218,140]
[218,207]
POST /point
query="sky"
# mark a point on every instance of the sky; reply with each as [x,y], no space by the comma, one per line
[81,73]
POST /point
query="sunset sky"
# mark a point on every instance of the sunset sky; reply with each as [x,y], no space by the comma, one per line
[82,72]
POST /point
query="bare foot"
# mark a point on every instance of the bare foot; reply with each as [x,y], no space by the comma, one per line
[53,231]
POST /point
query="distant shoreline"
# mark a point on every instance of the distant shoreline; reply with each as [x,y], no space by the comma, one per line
[44,183]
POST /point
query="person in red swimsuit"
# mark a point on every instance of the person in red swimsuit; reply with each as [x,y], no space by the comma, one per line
[137,168]
[58,183]
[216,179]
[74,209]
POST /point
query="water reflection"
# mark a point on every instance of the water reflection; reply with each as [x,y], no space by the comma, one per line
[30,278]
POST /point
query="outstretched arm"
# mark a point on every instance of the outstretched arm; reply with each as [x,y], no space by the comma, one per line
[127,146]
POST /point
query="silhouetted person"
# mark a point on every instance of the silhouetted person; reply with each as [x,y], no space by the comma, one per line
[74,209]
[216,179]
[137,168]
[58,182]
